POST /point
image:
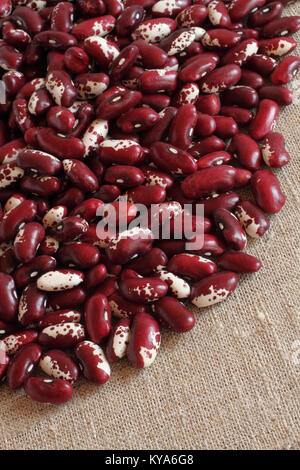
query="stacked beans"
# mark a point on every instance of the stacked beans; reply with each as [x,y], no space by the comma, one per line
[164,103]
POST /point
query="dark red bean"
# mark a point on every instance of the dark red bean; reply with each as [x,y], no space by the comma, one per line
[246,150]
[173,314]
[22,365]
[230,229]
[286,70]
[97,316]
[58,365]
[43,390]
[239,262]
[252,218]
[264,120]
[280,94]
[266,191]
[273,150]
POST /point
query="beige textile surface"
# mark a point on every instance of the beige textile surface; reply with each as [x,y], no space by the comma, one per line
[232,383]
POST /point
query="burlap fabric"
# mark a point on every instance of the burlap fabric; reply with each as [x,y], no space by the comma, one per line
[232,383]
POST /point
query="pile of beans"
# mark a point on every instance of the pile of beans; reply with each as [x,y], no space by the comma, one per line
[162,103]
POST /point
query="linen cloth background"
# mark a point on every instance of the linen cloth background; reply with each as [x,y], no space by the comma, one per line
[231,383]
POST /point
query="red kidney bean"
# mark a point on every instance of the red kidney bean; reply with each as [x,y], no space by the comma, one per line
[241,116]
[129,243]
[58,365]
[143,290]
[241,53]
[277,47]
[61,88]
[9,298]
[124,176]
[239,262]
[218,14]
[55,60]
[191,266]
[54,216]
[10,58]
[281,27]
[55,392]
[225,126]
[62,335]
[62,17]
[285,71]
[182,128]
[32,305]
[118,340]
[76,60]
[102,50]
[213,159]
[238,9]
[188,94]
[148,263]
[6,329]
[123,62]
[150,56]
[220,38]
[61,119]
[146,195]
[22,365]
[213,289]
[144,340]
[95,276]
[129,19]
[173,315]
[208,145]
[273,150]
[67,299]
[30,271]
[5,8]
[280,94]
[94,135]
[230,229]
[13,201]
[220,79]
[43,186]
[58,145]
[205,125]
[58,317]
[198,66]
[172,159]
[28,19]
[264,120]
[137,120]
[93,362]
[193,15]
[246,150]
[15,37]
[87,209]
[97,316]
[265,14]
[120,152]
[91,85]
[177,286]
[9,174]
[156,101]
[160,129]
[116,101]
[209,104]
[243,96]
[4,361]
[37,160]
[157,81]
[251,79]
[252,218]
[108,193]
[13,81]
[69,229]
[16,341]
[57,40]
[76,254]
[8,262]
[27,241]
[266,191]
[178,41]
[123,308]
[154,30]
[22,116]
[99,26]
[12,220]
[262,64]
[80,175]
[214,179]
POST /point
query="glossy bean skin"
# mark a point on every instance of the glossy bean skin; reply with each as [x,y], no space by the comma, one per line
[10,58]
[116,101]
[262,64]
[32,305]
[12,220]
[69,229]
[264,120]
[22,365]
[273,150]
[225,126]
[241,116]
[93,362]
[121,307]
[144,341]
[124,176]
[285,71]
[246,150]
[241,8]
[97,316]
[251,78]
[129,19]
[55,392]
[16,341]
[154,30]
[60,119]
[80,175]
[102,50]
[172,159]
[173,315]
[245,97]
[58,317]
[123,152]
[42,186]
[213,159]
[143,289]
[76,254]
[43,163]
[161,128]
[194,15]
[61,17]
[278,93]
[155,81]
[252,219]
[147,264]
[191,266]
[27,241]
[182,127]
[266,191]
[241,53]
[230,229]
[60,280]
[265,14]
[239,262]
[276,47]
[9,299]
[220,38]
[220,79]
[70,298]
[281,26]
[100,25]
[210,180]
[209,104]
[76,60]
[61,335]
[137,120]
[146,195]
[61,88]
[213,289]
[30,271]
[58,365]
[198,66]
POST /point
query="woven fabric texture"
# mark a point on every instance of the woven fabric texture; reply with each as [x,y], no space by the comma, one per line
[231,383]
